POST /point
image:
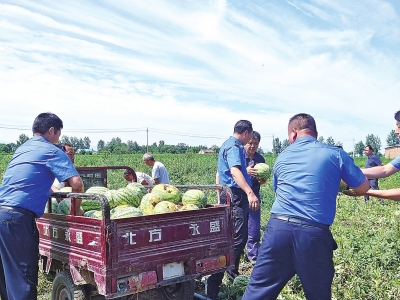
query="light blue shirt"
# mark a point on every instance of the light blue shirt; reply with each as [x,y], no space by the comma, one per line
[231,154]
[306,178]
[31,172]
[396,162]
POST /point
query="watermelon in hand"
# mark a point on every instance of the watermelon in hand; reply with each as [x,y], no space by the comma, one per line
[263,171]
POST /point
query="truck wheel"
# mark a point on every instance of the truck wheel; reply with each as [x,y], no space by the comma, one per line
[65,289]
[178,291]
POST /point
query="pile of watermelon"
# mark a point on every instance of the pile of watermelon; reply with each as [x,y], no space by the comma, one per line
[134,200]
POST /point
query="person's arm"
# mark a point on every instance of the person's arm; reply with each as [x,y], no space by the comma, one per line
[156,180]
[392,194]
[218,190]
[380,171]
[241,182]
[76,184]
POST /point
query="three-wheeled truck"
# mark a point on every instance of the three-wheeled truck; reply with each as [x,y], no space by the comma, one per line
[144,257]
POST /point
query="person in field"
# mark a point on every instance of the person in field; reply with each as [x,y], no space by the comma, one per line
[382,172]
[232,172]
[159,172]
[69,150]
[142,178]
[297,238]
[23,196]
[372,161]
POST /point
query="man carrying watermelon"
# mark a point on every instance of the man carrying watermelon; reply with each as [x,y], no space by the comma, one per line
[23,196]
[253,158]
[159,172]
[232,172]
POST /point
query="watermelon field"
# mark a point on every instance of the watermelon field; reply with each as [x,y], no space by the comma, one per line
[367,261]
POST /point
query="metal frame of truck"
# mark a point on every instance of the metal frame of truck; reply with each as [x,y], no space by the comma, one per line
[145,257]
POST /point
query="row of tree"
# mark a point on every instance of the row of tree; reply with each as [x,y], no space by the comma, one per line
[116,145]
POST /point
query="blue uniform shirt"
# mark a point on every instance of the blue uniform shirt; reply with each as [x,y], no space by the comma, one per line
[31,172]
[372,161]
[257,158]
[306,178]
[231,154]
[396,162]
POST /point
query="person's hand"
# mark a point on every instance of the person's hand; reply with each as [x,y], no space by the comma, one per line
[262,181]
[251,170]
[353,193]
[253,201]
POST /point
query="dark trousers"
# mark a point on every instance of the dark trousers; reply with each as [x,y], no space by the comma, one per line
[290,248]
[19,253]
[253,241]
[373,183]
[240,206]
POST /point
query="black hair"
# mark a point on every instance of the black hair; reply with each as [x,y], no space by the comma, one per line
[369,147]
[397,116]
[256,135]
[45,121]
[243,125]
[304,121]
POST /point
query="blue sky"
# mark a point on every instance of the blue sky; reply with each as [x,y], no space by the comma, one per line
[190,69]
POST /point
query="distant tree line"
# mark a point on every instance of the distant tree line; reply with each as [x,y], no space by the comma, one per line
[278,146]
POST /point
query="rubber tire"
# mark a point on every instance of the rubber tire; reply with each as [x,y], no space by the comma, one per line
[65,289]
[179,291]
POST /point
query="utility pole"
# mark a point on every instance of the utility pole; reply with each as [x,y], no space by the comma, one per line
[147,142]
[354,149]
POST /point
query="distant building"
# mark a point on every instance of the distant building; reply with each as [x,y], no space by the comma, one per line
[206,151]
[392,152]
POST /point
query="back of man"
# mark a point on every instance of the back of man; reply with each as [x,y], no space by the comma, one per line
[159,171]
[297,238]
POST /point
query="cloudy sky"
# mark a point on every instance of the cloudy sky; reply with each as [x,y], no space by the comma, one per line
[188,70]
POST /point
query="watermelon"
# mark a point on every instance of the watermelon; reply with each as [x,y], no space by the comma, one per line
[164,207]
[263,172]
[138,188]
[148,202]
[88,204]
[93,214]
[66,189]
[343,186]
[189,206]
[97,190]
[64,207]
[54,205]
[127,196]
[111,195]
[196,197]
[125,211]
[241,281]
[167,192]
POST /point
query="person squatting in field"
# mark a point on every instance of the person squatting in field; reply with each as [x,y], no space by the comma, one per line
[297,238]
[23,196]
[382,172]
[232,172]
[159,172]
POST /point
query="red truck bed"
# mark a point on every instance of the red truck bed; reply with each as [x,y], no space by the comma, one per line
[114,258]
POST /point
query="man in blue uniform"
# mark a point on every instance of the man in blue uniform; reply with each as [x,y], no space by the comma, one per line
[23,196]
[297,238]
[372,161]
[232,172]
[252,158]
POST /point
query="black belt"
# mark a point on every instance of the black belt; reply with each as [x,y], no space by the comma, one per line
[19,209]
[299,221]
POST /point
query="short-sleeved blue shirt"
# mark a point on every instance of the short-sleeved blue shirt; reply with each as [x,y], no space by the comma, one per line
[306,178]
[396,162]
[31,172]
[257,158]
[231,154]
[372,161]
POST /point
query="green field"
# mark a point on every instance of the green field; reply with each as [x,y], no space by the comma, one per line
[367,261]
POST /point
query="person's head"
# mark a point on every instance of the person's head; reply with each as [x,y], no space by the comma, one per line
[148,159]
[368,150]
[243,131]
[301,125]
[69,150]
[252,146]
[49,126]
[397,118]
[128,175]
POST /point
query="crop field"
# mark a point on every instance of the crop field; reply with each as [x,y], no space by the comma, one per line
[367,261]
